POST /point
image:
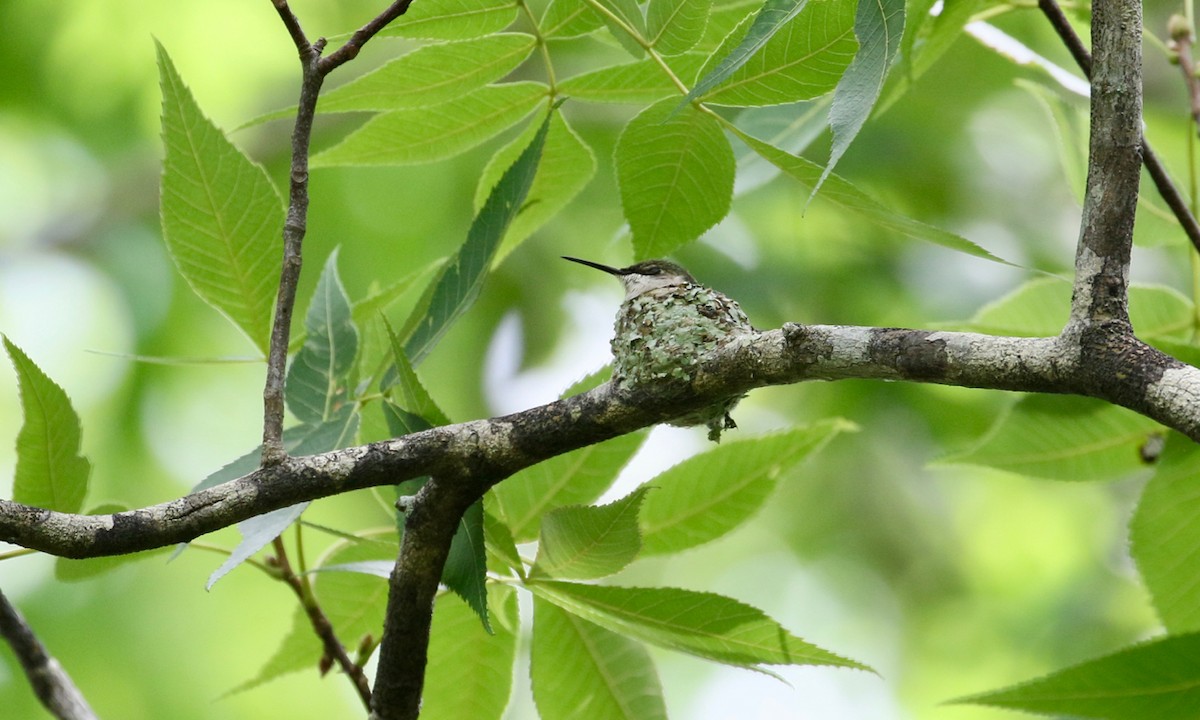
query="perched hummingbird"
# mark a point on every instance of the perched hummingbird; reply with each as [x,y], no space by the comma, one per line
[667,323]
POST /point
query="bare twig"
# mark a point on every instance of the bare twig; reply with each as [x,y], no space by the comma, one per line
[49,680]
[1171,195]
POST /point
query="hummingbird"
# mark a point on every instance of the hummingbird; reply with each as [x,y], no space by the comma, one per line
[666,324]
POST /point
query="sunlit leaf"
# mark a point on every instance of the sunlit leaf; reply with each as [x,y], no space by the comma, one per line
[675,26]
[470,672]
[453,19]
[569,18]
[222,218]
[51,473]
[675,172]
[419,135]
[584,542]
[580,671]
[1155,679]
[636,83]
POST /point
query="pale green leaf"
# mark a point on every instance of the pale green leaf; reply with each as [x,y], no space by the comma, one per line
[566,167]
[433,74]
[675,172]
[569,18]
[317,379]
[452,19]
[584,542]
[420,135]
[1165,535]
[222,218]
[574,478]
[848,197]
[1063,438]
[580,671]
[460,281]
[675,26]
[295,652]
[1156,679]
[499,541]
[626,22]
[51,473]
[707,495]
[879,26]
[709,626]
[470,673]
[638,82]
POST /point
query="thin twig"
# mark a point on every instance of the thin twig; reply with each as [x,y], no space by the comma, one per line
[1182,41]
[50,681]
[350,50]
[1154,165]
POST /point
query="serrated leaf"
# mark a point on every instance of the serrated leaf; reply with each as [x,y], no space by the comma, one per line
[703,624]
[317,380]
[498,539]
[566,167]
[675,172]
[845,195]
[879,26]
[1155,679]
[420,135]
[465,571]
[584,542]
[637,83]
[222,218]
[1165,536]
[259,530]
[773,15]
[574,478]
[791,128]
[626,22]
[675,26]
[433,74]
[51,473]
[470,673]
[453,19]
[1063,438]
[74,570]
[708,495]
[406,387]
[580,671]
[460,281]
[569,18]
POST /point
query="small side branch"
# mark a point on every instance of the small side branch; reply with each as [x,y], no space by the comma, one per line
[49,680]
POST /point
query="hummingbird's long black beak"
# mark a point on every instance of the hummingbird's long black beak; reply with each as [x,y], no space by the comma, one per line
[598,266]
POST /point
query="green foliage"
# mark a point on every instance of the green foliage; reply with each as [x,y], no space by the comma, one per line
[470,672]
[585,543]
[51,473]
[316,381]
[221,216]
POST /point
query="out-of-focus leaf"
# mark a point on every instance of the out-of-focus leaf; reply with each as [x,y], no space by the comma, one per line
[420,135]
[51,473]
[222,218]
[584,542]
[452,19]
[1155,679]
[583,672]
[317,380]
[675,171]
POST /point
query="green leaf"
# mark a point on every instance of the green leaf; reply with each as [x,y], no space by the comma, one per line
[879,26]
[1155,679]
[569,18]
[499,541]
[433,74]
[452,19]
[575,478]
[581,671]
[403,381]
[848,197]
[626,22]
[74,570]
[584,542]
[465,571]
[567,165]
[470,673]
[51,473]
[1063,438]
[709,626]
[420,135]
[638,82]
[675,26]
[707,495]
[317,380]
[675,172]
[222,218]
[296,651]
[791,128]
[460,281]
[1165,535]
[773,17]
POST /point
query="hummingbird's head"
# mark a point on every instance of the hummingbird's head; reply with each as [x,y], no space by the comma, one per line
[641,277]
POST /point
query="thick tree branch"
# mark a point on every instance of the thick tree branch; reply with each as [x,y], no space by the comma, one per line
[1101,363]
[49,680]
[1154,166]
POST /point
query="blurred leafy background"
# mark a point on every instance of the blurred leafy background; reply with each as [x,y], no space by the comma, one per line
[947,579]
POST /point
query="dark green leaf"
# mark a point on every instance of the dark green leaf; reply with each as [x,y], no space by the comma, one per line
[465,571]
[317,379]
